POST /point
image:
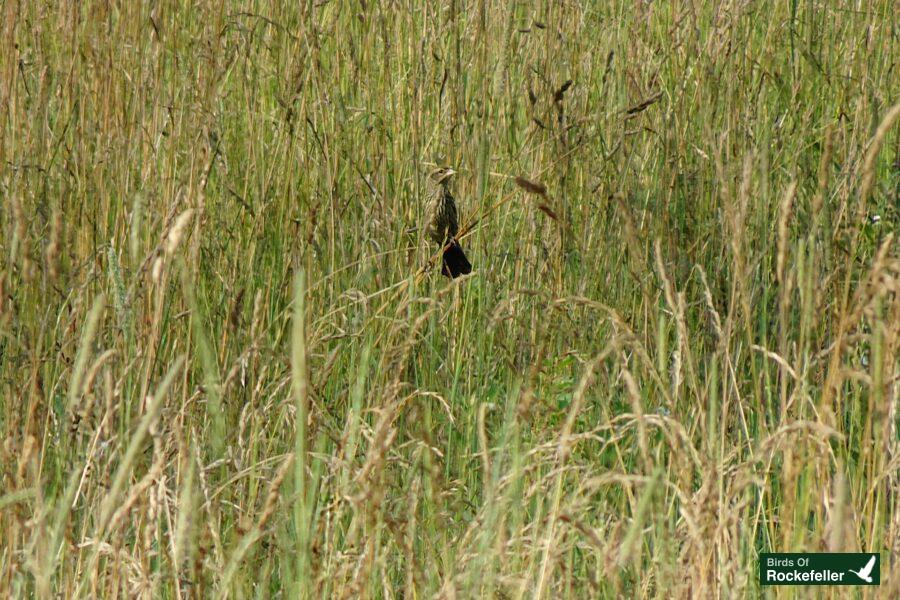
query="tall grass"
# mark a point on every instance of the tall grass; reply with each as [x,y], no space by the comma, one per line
[225,371]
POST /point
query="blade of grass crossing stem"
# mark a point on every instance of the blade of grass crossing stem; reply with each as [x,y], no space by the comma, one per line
[211,379]
[300,387]
[357,395]
[83,353]
[154,407]
[629,550]
[61,516]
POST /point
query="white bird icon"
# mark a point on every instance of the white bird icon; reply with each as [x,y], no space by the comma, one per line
[865,572]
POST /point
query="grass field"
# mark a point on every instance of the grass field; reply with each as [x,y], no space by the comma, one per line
[226,370]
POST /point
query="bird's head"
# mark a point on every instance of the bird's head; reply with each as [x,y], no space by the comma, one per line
[442,175]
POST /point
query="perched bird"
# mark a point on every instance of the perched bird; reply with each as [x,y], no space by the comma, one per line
[442,222]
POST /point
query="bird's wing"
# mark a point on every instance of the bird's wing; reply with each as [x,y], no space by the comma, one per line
[868,568]
[452,214]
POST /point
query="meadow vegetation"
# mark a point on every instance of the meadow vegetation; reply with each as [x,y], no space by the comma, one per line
[226,370]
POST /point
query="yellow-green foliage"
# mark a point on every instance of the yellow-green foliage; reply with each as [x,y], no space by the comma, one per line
[226,368]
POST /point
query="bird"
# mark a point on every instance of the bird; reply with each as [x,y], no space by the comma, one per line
[866,572]
[441,222]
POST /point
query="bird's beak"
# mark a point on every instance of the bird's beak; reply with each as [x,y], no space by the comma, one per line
[448,174]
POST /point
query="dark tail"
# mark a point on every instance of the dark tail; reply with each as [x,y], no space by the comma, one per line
[455,262]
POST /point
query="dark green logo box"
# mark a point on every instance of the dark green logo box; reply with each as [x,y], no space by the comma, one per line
[807,568]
